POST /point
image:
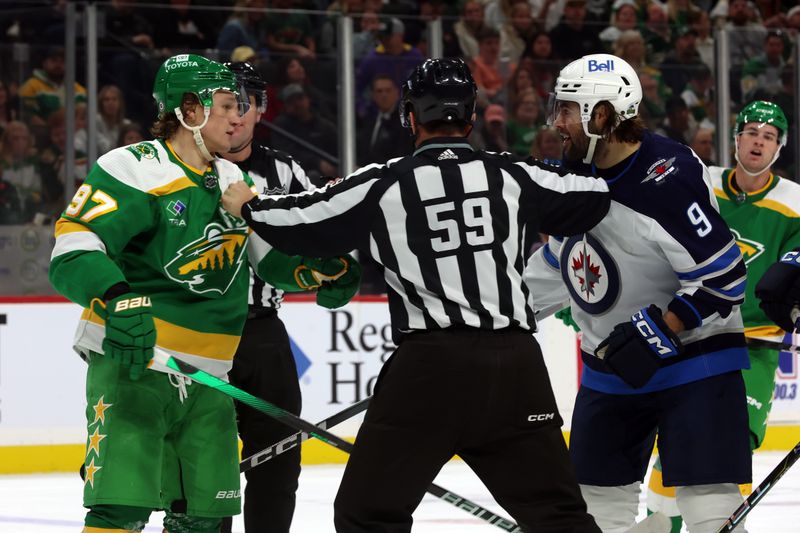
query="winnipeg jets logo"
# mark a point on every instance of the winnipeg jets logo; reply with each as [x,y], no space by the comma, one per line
[659,170]
[587,274]
[590,274]
[750,249]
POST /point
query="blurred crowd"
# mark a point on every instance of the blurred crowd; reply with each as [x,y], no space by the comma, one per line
[514,47]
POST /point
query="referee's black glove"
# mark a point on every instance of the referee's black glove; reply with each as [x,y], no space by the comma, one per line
[634,349]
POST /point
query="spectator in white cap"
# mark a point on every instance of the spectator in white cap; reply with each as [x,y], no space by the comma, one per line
[793,20]
[624,16]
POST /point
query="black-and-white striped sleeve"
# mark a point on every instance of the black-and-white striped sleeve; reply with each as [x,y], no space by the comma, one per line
[452,236]
[273,172]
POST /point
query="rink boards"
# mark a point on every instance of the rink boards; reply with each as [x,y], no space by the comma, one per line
[338,353]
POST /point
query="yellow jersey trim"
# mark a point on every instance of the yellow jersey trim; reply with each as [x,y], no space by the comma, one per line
[64,226]
[219,346]
[777,206]
[187,165]
[174,186]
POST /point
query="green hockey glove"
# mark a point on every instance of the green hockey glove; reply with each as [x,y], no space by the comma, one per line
[130,331]
[336,292]
[565,315]
[312,272]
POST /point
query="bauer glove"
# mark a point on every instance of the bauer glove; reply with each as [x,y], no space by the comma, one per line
[336,279]
[634,350]
[130,331]
[779,290]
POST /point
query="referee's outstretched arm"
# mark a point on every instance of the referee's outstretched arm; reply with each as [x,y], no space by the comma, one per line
[340,217]
[563,203]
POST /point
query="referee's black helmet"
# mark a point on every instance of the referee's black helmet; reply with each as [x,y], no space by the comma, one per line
[439,90]
[251,80]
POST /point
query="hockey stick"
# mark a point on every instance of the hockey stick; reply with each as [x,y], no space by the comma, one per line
[774,345]
[187,370]
[293,441]
[769,482]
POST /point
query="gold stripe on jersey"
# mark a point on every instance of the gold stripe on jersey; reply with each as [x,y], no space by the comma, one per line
[750,193]
[187,165]
[173,186]
[219,346]
[777,206]
[64,226]
[764,331]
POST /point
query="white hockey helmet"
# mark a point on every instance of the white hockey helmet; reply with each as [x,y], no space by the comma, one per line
[595,78]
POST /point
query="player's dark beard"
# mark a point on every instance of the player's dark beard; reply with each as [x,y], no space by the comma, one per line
[576,149]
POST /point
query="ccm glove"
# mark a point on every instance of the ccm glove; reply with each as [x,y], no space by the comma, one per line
[130,331]
[634,349]
[337,292]
[779,290]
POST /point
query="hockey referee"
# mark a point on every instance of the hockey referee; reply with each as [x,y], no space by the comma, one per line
[450,227]
[263,364]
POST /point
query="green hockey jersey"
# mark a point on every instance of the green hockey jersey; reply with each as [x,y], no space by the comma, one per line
[146,218]
[765,223]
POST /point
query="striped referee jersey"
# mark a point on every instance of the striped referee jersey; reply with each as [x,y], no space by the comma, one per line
[273,172]
[450,226]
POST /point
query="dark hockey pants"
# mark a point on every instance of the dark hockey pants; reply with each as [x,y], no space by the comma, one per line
[483,395]
[264,366]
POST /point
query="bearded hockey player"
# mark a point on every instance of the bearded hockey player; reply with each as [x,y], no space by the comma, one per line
[655,288]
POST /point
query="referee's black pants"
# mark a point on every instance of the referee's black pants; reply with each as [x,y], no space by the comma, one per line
[264,366]
[483,395]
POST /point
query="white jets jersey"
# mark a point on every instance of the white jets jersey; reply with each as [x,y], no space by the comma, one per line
[663,242]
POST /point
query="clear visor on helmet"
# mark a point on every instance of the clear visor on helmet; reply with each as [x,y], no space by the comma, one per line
[755,130]
[563,111]
[259,95]
[243,99]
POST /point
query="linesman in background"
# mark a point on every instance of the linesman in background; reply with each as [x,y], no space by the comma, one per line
[263,364]
[451,228]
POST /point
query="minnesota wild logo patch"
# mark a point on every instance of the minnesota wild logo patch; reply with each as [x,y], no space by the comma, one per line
[211,263]
[146,150]
[750,249]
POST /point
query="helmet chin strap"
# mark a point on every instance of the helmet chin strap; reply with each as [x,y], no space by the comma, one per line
[758,172]
[593,138]
[198,138]
[242,147]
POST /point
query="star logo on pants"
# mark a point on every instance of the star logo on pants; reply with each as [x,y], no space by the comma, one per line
[94,441]
[100,411]
[91,470]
